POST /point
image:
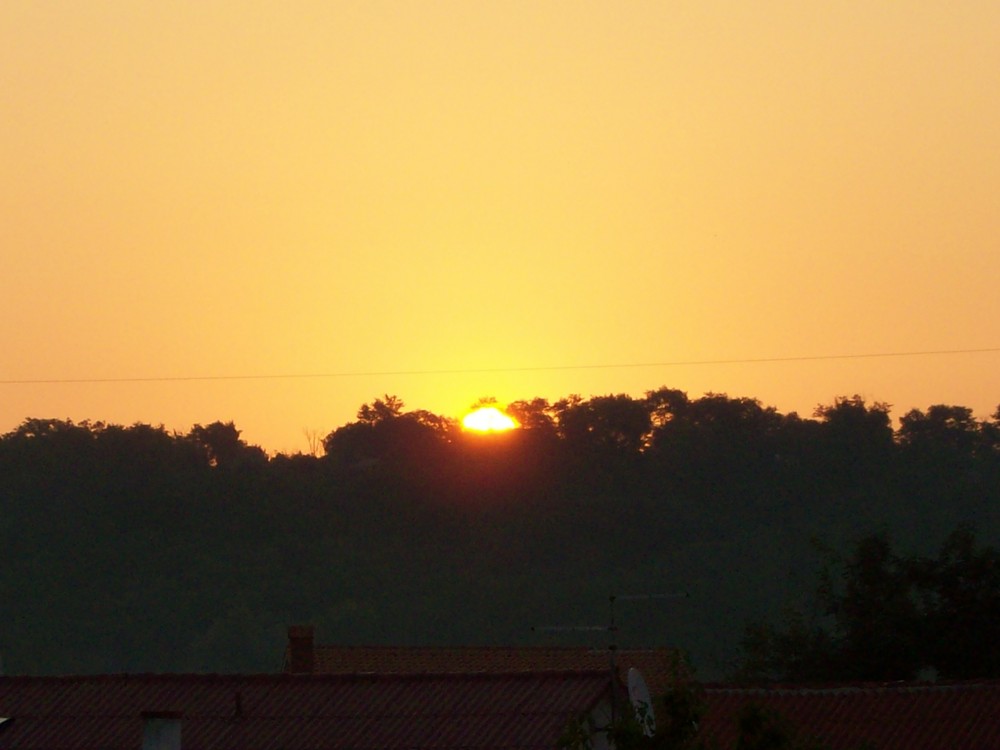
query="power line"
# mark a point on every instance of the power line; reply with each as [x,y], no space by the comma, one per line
[489,370]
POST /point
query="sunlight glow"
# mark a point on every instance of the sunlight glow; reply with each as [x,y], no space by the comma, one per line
[488,419]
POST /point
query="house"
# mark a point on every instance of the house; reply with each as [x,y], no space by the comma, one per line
[659,666]
[892,716]
[293,712]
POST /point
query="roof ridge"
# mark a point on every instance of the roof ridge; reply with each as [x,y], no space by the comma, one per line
[858,687]
[465,647]
[285,677]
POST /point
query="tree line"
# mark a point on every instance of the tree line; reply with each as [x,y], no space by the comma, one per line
[133,548]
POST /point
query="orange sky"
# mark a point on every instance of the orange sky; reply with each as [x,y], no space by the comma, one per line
[221,188]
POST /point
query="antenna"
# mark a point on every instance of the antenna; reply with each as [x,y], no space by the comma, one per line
[611,628]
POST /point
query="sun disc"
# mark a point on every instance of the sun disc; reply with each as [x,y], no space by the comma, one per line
[488,419]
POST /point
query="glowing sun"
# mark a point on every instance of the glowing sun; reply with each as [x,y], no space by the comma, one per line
[488,419]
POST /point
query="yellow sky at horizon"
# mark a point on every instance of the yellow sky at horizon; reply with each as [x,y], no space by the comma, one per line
[313,187]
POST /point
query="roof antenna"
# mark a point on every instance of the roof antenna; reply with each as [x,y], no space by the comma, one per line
[611,629]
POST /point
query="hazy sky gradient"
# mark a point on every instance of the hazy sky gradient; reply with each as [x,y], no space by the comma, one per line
[252,188]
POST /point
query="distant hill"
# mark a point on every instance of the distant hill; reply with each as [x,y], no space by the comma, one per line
[135,549]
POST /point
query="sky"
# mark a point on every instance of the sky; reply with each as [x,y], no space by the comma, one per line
[272,213]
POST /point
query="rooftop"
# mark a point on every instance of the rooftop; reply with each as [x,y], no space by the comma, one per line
[891,716]
[524,710]
[659,666]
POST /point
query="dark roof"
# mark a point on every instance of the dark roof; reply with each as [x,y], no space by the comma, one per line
[298,711]
[659,666]
[903,716]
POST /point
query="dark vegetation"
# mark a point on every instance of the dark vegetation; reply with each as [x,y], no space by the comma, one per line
[136,549]
[675,724]
[881,616]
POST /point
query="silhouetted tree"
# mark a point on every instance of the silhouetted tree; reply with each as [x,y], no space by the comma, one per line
[614,423]
[717,439]
[385,434]
[381,409]
[962,604]
[223,447]
[876,610]
[881,616]
[666,404]
[855,440]
[946,440]
[535,415]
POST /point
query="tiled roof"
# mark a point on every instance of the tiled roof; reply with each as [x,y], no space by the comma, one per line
[659,666]
[298,711]
[959,716]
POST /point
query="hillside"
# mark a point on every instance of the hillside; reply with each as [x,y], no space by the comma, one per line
[134,549]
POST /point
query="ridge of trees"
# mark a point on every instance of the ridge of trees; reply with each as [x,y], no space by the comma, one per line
[132,548]
[664,425]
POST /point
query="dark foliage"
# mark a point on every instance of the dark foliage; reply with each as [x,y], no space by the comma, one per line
[675,724]
[881,616]
[129,548]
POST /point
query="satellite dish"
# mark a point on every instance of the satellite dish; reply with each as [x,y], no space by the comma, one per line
[642,703]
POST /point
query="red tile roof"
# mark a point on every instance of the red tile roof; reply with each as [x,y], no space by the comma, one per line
[959,716]
[298,711]
[659,666]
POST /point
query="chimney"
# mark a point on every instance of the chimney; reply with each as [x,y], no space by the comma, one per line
[161,730]
[301,654]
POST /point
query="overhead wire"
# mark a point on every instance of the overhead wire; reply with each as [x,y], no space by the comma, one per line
[489,370]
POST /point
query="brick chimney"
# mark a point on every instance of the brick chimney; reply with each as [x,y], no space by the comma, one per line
[161,730]
[301,649]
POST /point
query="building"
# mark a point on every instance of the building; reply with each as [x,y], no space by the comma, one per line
[299,712]
[892,716]
[659,666]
